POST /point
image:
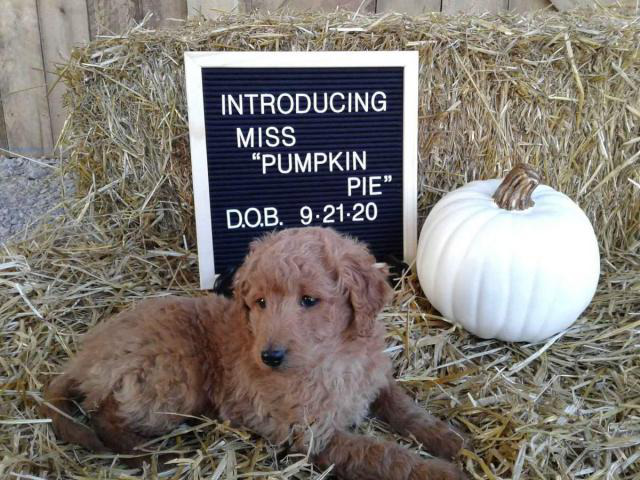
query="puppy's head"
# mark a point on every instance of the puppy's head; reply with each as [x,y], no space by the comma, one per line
[306,293]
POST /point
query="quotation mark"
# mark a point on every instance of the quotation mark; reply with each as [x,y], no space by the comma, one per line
[388,178]
[256,156]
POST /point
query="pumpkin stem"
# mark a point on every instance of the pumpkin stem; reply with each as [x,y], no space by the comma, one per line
[514,193]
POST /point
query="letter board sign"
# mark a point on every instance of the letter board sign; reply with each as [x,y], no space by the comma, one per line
[292,139]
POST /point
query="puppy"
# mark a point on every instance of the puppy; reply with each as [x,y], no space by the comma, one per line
[296,356]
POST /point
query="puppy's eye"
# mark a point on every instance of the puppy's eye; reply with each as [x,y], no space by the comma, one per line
[262,303]
[307,301]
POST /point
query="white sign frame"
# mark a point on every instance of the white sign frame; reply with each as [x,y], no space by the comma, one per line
[196,61]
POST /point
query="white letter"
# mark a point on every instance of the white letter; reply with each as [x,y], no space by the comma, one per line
[273,140]
[251,97]
[380,106]
[315,103]
[303,167]
[291,103]
[333,161]
[268,160]
[289,165]
[352,184]
[318,159]
[361,160]
[233,103]
[364,103]
[288,136]
[373,185]
[258,217]
[270,216]
[238,215]
[303,96]
[264,103]
[333,107]
[244,142]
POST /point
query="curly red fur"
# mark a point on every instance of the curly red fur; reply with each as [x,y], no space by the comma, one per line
[140,372]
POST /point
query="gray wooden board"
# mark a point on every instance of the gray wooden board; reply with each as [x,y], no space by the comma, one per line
[22,80]
[475,7]
[522,6]
[571,4]
[410,7]
[367,6]
[211,8]
[3,129]
[194,7]
[165,12]
[109,17]
[63,25]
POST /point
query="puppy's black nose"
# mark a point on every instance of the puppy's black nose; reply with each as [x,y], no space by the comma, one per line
[273,357]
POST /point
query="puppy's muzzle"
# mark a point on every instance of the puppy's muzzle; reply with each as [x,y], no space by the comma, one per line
[273,357]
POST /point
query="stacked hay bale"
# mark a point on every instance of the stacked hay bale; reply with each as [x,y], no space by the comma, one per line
[559,91]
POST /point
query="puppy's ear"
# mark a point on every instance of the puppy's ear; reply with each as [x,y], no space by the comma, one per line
[367,287]
[241,283]
[241,288]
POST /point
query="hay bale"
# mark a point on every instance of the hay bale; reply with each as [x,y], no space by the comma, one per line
[559,91]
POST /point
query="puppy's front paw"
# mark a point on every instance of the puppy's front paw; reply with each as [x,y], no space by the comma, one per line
[440,440]
[448,442]
[436,469]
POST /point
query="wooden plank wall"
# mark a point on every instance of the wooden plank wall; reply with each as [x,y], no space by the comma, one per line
[22,80]
[63,24]
[37,35]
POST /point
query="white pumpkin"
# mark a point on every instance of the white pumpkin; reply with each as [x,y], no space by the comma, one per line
[509,259]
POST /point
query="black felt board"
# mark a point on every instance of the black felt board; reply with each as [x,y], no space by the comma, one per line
[236,179]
